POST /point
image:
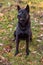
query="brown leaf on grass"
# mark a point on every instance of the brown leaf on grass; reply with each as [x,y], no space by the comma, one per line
[2,30]
[38,40]
[1,14]
[34,52]
[1,19]
[41,24]
[1,44]
[40,37]
[11,17]
[41,29]
[5,38]
[2,58]
[40,4]
[4,61]
[10,26]
[30,62]
[1,52]
[7,9]
[7,48]
[23,47]
[41,59]
[20,54]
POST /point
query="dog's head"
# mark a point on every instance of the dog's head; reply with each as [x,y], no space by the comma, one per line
[23,14]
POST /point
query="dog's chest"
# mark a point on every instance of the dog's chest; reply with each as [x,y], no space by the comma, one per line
[22,30]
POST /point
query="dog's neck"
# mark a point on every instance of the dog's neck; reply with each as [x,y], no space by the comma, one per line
[27,25]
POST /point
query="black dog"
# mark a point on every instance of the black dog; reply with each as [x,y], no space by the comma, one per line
[23,30]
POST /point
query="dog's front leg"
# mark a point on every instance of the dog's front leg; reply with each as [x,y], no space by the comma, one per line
[17,45]
[27,46]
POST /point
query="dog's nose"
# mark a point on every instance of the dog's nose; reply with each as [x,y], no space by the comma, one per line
[20,17]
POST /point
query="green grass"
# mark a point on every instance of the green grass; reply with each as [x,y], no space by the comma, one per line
[7,27]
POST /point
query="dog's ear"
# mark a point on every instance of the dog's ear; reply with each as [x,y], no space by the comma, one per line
[27,8]
[18,7]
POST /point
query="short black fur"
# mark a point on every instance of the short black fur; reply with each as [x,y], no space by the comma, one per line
[23,29]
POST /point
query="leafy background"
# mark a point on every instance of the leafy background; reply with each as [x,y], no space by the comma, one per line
[8,22]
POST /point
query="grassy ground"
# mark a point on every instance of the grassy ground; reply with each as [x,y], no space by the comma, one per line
[8,23]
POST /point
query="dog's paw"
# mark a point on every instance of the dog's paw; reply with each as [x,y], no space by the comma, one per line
[16,53]
[27,53]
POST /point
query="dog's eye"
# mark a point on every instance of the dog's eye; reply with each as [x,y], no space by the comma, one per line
[22,11]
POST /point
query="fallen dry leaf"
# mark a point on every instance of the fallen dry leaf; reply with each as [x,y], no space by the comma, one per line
[7,49]
[38,40]
[34,52]
[1,14]
[4,61]
[23,47]
[41,59]
[20,54]
[41,24]
[1,19]
[10,26]
[42,29]
[2,30]
[3,58]
[30,62]
[1,44]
